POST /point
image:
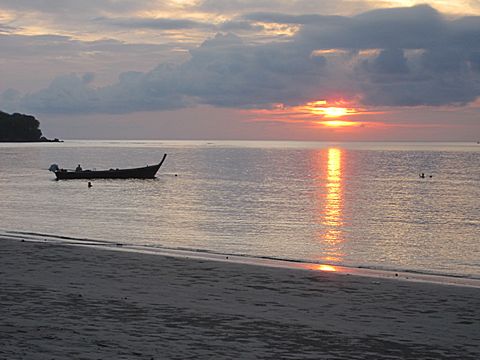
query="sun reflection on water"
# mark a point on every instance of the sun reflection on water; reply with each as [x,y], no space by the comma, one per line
[331,210]
[334,195]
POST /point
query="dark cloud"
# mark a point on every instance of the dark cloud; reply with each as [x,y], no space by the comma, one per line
[226,72]
[407,28]
[442,70]
[389,61]
[395,57]
[134,92]
[223,72]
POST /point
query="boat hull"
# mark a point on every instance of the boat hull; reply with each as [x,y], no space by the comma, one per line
[147,172]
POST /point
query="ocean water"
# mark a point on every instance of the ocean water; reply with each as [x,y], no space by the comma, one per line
[352,204]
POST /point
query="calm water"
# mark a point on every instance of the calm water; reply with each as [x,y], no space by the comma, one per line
[355,204]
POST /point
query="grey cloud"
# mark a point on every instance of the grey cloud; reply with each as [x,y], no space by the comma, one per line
[445,71]
[239,25]
[156,23]
[10,100]
[225,6]
[279,18]
[431,78]
[72,94]
[6,28]
[285,6]
[20,45]
[421,58]
[68,93]
[71,15]
[431,92]
[226,72]
[137,91]
[87,78]
[178,24]
[390,61]
[223,72]
[474,60]
[43,45]
[408,28]
[74,6]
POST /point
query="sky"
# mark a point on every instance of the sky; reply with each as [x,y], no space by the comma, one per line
[318,70]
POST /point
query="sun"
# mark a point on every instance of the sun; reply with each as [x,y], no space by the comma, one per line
[333,112]
[330,114]
[321,108]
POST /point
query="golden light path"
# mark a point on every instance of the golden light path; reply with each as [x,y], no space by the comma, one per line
[333,203]
[330,207]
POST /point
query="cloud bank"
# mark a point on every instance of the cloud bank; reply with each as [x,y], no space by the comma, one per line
[390,57]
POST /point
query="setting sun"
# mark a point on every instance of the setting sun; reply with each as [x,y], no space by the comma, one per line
[337,110]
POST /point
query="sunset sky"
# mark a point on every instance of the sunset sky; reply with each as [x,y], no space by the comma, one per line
[244,69]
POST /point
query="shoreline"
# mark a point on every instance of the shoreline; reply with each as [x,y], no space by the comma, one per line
[400,275]
[62,301]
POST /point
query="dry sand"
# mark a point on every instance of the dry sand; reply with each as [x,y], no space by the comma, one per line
[67,302]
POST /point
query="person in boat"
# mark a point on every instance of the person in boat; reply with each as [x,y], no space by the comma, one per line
[79,168]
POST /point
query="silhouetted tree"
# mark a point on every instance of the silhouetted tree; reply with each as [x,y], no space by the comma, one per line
[19,127]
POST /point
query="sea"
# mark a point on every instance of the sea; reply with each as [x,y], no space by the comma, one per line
[361,205]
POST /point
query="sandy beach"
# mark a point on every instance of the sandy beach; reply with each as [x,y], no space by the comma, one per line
[60,302]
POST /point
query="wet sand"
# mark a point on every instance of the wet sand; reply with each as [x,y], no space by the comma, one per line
[61,302]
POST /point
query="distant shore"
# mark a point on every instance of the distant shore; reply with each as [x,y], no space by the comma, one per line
[69,301]
[21,128]
[32,141]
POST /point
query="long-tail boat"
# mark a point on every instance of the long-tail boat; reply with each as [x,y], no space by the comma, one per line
[146,172]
